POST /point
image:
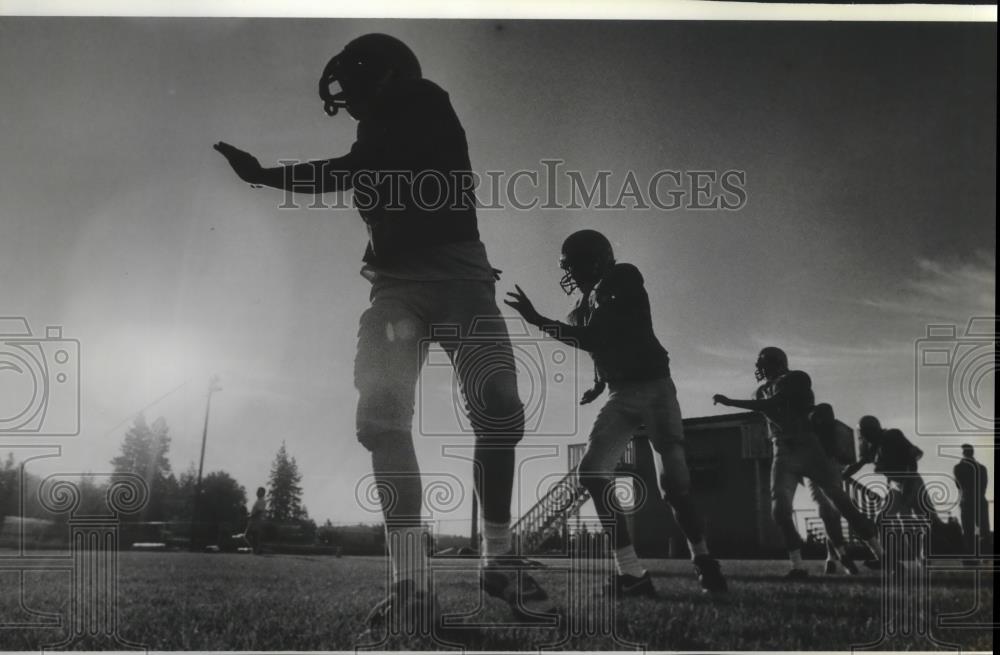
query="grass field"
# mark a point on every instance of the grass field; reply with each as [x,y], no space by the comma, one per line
[183,601]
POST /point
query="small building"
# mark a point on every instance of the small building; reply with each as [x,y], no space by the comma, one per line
[729,458]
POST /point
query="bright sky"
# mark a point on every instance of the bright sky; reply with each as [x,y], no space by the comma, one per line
[869,154]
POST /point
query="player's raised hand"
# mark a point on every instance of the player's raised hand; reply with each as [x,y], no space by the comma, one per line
[244,164]
[519,301]
[592,394]
[719,399]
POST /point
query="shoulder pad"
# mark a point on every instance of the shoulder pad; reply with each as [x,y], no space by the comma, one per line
[798,378]
[418,89]
[627,273]
[622,279]
[894,434]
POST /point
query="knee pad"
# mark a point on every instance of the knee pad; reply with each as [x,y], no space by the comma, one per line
[382,420]
[497,418]
[376,439]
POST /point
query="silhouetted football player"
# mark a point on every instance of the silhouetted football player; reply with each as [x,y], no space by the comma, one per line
[427,267]
[896,457]
[786,399]
[612,322]
[832,434]
[972,478]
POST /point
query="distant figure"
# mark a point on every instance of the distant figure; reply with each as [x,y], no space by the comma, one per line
[255,523]
[971,478]
[896,457]
[832,436]
[612,322]
[431,279]
[786,399]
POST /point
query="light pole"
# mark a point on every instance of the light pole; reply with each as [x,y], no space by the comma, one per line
[474,538]
[213,386]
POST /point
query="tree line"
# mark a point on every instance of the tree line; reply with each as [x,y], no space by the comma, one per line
[221,505]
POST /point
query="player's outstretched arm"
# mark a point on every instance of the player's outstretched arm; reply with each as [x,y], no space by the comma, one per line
[314,177]
[245,165]
[753,405]
[520,302]
[592,394]
[576,336]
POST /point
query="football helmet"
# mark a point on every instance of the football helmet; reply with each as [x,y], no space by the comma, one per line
[586,254]
[822,415]
[869,427]
[361,65]
[771,362]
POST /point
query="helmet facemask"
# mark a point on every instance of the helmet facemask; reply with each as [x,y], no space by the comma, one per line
[334,73]
[566,282]
[589,271]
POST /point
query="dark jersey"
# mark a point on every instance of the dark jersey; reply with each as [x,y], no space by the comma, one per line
[894,453]
[793,400]
[971,477]
[410,170]
[837,440]
[614,324]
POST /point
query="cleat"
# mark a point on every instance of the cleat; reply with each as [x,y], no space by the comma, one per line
[507,580]
[630,585]
[797,574]
[405,611]
[830,568]
[709,574]
[849,565]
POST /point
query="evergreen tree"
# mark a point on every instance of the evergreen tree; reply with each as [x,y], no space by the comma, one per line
[181,501]
[144,453]
[223,501]
[284,495]
[93,495]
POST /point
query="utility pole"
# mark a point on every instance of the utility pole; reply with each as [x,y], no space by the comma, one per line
[474,539]
[213,386]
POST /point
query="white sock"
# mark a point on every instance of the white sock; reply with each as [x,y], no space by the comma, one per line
[408,555]
[627,562]
[838,551]
[698,549]
[496,539]
[796,558]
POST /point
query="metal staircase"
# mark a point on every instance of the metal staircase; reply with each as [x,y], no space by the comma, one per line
[864,498]
[546,517]
[549,516]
